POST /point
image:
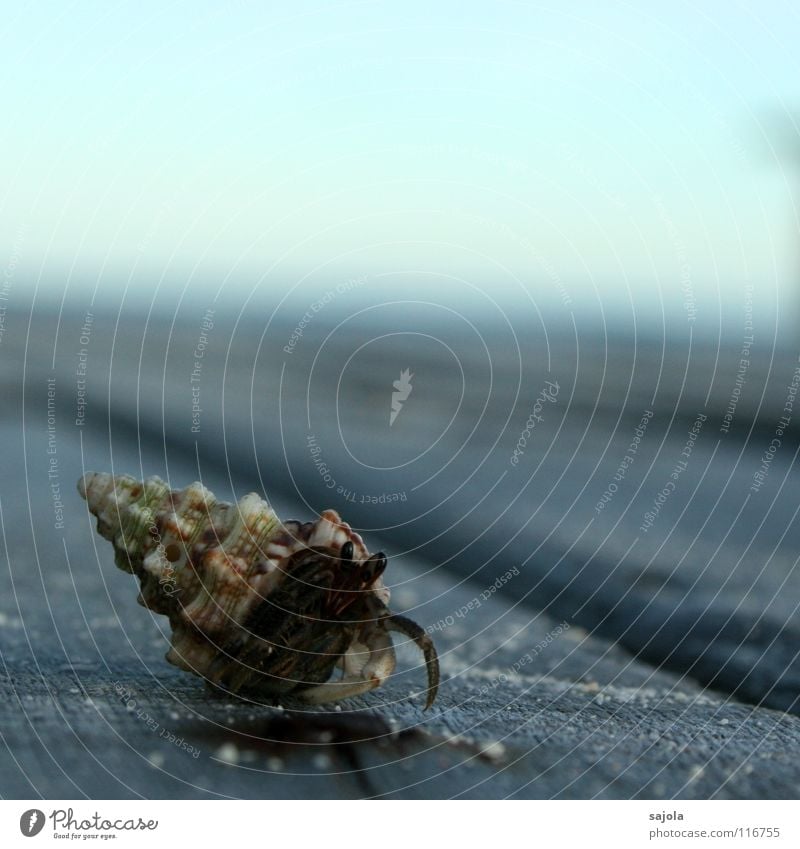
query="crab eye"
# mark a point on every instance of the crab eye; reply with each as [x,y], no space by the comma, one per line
[347,551]
[374,567]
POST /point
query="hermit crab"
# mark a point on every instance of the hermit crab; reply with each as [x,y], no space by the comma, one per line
[258,607]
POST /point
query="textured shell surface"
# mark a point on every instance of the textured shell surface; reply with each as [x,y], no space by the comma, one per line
[258,607]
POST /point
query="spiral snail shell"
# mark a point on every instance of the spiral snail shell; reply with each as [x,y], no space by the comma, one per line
[258,607]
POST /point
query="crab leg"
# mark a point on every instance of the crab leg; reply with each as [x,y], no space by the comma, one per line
[411,630]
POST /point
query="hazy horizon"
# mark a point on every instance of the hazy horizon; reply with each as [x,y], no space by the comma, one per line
[618,154]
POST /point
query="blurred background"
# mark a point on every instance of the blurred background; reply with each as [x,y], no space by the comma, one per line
[510,285]
[640,155]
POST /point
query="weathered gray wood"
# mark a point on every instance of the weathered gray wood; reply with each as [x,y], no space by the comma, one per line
[712,587]
[580,719]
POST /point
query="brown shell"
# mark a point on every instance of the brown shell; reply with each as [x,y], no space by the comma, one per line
[212,568]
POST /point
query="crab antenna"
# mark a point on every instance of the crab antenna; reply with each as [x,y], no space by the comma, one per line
[425,644]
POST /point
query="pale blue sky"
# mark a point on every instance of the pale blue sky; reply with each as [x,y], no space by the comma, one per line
[596,146]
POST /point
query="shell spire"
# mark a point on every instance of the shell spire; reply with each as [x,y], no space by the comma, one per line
[258,607]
